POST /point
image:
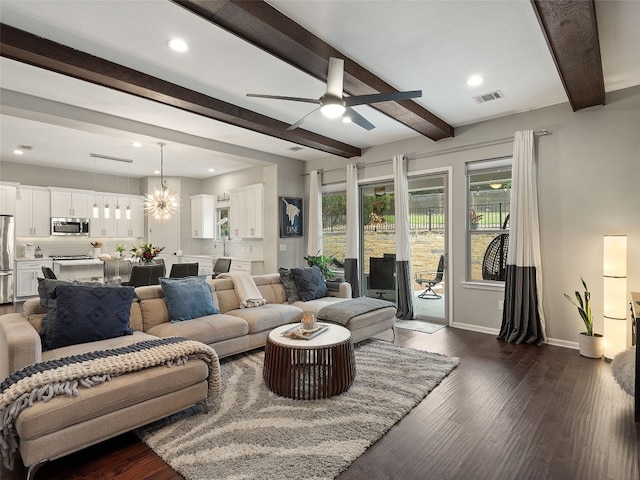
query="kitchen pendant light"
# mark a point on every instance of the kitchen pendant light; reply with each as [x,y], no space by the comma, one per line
[96,210]
[106,213]
[117,212]
[161,203]
[127,213]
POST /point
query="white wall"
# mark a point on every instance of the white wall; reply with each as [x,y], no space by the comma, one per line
[589,179]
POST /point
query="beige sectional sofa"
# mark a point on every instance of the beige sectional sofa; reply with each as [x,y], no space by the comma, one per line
[49,430]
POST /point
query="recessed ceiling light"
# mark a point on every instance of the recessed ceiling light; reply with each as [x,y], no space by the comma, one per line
[212,170]
[157,172]
[136,144]
[178,45]
[475,80]
[18,151]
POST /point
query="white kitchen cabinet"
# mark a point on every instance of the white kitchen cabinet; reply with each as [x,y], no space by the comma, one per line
[133,227]
[102,226]
[67,203]
[7,199]
[203,213]
[32,212]
[27,274]
[245,216]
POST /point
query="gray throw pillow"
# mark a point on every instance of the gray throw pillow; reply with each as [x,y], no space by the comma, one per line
[286,277]
[310,283]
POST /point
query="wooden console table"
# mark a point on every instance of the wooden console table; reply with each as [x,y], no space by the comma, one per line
[301,369]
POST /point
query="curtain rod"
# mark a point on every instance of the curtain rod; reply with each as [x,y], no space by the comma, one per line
[459,148]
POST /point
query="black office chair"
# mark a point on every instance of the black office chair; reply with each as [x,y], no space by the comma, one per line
[431,282]
[143,275]
[48,273]
[223,265]
[382,274]
[181,270]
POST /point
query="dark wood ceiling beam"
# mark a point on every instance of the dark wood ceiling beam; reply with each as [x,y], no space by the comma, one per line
[40,52]
[260,24]
[571,31]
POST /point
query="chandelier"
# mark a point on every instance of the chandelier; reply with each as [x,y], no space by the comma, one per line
[161,203]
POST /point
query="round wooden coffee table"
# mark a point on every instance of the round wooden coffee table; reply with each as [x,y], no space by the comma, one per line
[301,369]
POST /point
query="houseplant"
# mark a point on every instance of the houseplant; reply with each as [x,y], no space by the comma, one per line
[322,262]
[591,344]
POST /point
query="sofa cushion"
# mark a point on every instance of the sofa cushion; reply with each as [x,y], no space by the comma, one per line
[88,313]
[267,317]
[310,283]
[286,276]
[187,298]
[209,329]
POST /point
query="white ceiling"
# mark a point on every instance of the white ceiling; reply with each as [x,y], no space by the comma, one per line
[430,45]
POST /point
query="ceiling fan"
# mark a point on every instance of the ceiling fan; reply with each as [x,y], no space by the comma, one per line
[333,104]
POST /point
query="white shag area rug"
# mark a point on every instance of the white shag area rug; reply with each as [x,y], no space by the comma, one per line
[254,434]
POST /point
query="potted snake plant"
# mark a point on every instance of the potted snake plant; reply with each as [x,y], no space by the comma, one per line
[591,344]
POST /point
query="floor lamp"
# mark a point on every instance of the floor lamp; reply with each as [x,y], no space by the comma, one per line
[615,295]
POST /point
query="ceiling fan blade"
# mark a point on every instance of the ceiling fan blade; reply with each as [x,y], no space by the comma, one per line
[359,119]
[335,76]
[278,97]
[381,97]
[302,120]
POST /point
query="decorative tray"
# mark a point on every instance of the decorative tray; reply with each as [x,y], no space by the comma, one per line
[298,332]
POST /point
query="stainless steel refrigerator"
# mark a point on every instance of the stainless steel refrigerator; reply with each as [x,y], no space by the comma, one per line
[7,258]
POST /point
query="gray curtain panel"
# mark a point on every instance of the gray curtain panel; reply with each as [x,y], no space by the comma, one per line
[522,316]
[404,282]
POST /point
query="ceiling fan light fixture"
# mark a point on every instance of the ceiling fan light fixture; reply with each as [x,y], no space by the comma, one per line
[332,106]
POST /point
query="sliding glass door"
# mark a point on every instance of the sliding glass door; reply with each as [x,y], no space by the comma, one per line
[427,220]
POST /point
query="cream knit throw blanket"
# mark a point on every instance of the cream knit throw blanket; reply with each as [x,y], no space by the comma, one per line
[45,380]
[245,288]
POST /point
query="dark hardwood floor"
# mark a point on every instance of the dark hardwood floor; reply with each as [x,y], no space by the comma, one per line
[507,412]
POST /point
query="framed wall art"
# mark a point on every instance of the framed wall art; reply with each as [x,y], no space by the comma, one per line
[290,217]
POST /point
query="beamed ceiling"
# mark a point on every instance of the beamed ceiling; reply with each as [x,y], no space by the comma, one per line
[569,28]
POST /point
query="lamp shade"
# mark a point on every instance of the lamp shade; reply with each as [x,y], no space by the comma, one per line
[614,266]
[615,256]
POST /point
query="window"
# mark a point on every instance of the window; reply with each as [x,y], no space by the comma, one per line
[334,226]
[222,222]
[488,200]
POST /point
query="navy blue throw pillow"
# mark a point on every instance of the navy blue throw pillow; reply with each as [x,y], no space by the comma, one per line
[310,283]
[89,313]
[187,297]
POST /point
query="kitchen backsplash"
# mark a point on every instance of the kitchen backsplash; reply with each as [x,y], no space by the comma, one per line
[72,245]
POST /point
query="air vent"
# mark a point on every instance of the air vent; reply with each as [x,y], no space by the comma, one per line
[25,147]
[296,149]
[487,97]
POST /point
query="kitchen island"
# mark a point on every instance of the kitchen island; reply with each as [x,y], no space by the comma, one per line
[78,269]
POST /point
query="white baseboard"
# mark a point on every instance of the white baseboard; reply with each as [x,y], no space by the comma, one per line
[495,331]
[475,328]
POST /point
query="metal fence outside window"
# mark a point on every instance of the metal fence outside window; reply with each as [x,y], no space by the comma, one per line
[425,219]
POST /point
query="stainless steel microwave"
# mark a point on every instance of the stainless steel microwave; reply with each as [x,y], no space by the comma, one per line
[70,226]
